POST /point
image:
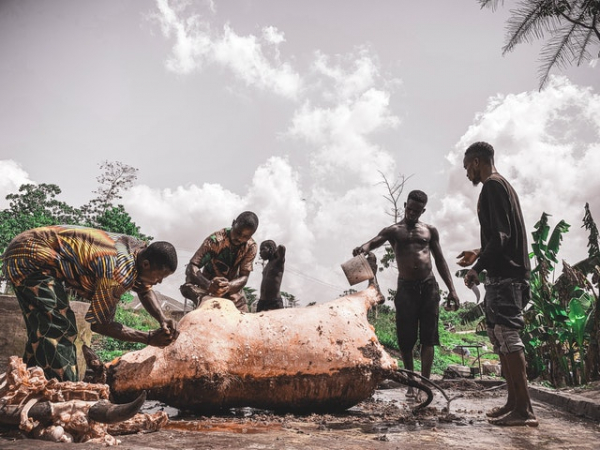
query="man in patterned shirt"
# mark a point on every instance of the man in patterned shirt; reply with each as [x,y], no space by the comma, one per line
[99,266]
[222,264]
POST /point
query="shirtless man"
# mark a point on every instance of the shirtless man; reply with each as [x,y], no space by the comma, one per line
[270,297]
[418,295]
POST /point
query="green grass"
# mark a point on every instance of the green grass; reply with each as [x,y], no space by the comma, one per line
[108,348]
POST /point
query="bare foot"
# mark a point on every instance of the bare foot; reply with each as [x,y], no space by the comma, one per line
[498,411]
[514,419]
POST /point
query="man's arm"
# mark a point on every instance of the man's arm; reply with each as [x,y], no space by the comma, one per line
[374,243]
[237,284]
[216,286]
[441,265]
[156,338]
[193,271]
[246,266]
[167,327]
[193,274]
[497,204]
[280,253]
[468,257]
[101,316]
[149,301]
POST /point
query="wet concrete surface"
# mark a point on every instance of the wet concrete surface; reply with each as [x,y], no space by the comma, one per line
[385,421]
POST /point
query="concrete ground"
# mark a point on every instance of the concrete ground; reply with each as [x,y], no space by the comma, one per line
[568,420]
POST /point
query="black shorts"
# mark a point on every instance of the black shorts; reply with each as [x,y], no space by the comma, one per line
[268,305]
[417,313]
[504,302]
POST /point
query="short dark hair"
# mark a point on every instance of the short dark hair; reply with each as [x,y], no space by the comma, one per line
[269,243]
[418,196]
[161,255]
[247,220]
[481,150]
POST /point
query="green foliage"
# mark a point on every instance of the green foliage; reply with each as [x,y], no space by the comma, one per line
[127,298]
[117,220]
[388,259]
[34,206]
[462,272]
[560,316]
[544,250]
[384,323]
[37,205]
[462,319]
[250,294]
[573,26]
[291,299]
[590,225]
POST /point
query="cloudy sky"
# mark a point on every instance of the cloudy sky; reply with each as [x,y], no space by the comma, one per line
[293,110]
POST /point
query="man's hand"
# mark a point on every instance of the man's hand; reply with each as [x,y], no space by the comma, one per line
[468,258]
[169,326]
[471,278]
[161,338]
[218,286]
[359,250]
[452,302]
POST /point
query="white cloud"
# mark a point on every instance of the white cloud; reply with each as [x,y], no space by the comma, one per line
[342,102]
[12,176]
[253,60]
[349,105]
[192,42]
[547,145]
[349,75]
[273,35]
[246,58]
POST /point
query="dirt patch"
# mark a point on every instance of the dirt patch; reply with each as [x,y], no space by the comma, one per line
[384,421]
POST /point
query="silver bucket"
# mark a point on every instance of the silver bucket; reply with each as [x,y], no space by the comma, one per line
[357,269]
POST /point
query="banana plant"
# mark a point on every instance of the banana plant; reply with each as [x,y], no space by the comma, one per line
[545,316]
[560,318]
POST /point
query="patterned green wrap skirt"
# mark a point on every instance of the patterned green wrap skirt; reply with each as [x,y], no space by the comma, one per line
[51,327]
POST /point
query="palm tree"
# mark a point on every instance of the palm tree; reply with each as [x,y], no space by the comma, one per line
[573,27]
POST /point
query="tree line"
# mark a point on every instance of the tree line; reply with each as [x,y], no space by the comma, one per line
[37,205]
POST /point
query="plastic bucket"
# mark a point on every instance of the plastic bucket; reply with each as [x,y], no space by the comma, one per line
[357,269]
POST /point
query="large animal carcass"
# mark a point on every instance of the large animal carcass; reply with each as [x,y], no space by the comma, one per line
[314,359]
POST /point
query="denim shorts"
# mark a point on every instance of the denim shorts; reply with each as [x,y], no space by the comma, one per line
[504,302]
[505,340]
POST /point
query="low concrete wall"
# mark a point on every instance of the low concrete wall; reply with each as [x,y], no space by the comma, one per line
[573,403]
[13,335]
